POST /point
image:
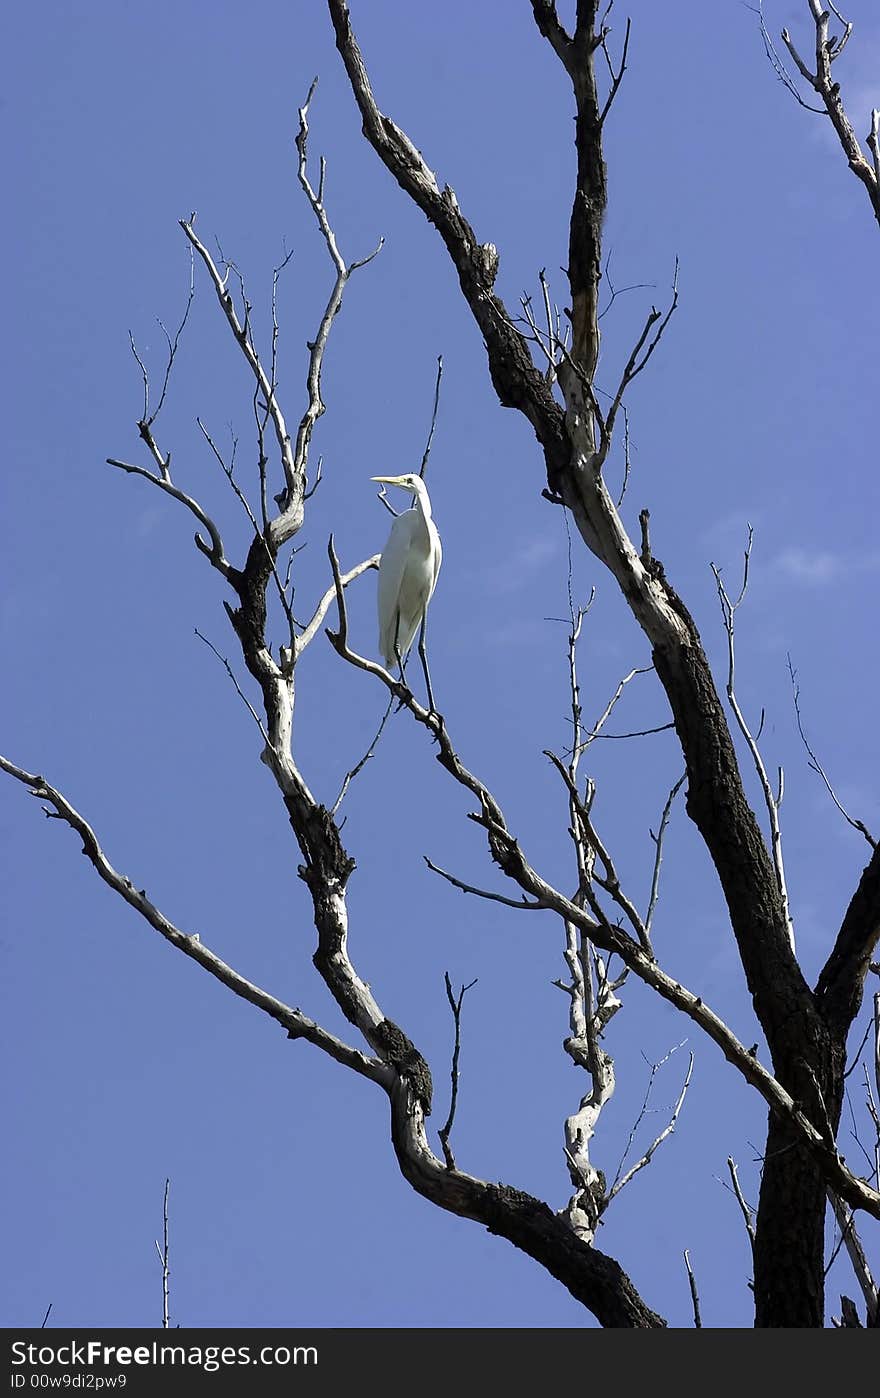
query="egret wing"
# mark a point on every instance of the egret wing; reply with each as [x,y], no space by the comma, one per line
[392,569]
[438,553]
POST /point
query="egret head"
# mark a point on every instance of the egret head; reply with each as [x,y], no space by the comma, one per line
[409,482]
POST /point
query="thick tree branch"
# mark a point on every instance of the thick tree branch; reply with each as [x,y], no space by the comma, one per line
[593,1278]
[588,1013]
[841,983]
[553,30]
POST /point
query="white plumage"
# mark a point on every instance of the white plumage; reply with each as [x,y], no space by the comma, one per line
[408,570]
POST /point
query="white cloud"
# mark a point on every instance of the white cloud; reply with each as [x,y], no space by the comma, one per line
[818,568]
[803,566]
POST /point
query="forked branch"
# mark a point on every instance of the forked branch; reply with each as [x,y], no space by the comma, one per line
[455,1004]
[621,1180]
[821,79]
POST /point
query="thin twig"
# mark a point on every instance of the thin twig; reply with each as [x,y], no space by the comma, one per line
[621,1181]
[359,766]
[638,360]
[240,332]
[816,765]
[854,1132]
[427,451]
[550,371]
[455,1003]
[637,733]
[238,689]
[596,730]
[174,344]
[609,881]
[729,609]
[262,410]
[777,64]
[163,1257]
[522,904]
[695,1300]
[858,1053]
[619,290]
[658,855]
[616,78]
[745,1209]
[343,272]
[626,458]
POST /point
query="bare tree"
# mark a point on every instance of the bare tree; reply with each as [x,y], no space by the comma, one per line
[544,365]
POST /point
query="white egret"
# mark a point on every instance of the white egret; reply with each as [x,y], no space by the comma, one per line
[407,574]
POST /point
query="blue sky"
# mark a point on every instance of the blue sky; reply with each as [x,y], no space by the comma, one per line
[126,1064]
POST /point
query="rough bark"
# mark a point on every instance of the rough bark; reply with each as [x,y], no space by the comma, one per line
[593,1278]
[789,1249]
[842,981]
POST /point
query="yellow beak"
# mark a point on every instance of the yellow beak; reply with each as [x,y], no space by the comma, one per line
[388,480]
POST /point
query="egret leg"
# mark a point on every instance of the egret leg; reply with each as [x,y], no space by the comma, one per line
[402,673]
[423,656]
